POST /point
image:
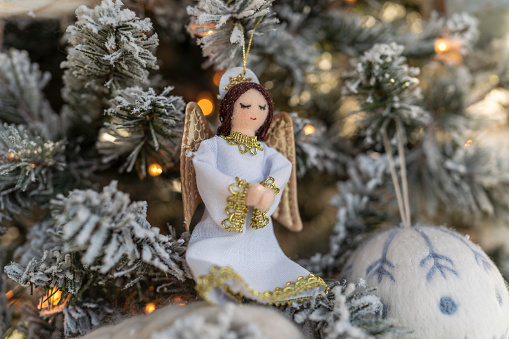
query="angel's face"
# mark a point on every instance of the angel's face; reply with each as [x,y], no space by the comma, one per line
[249,112]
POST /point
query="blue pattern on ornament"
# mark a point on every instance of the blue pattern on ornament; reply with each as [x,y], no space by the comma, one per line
[479,257]
[378,268]
[440,261]
[448,306]
[499,298]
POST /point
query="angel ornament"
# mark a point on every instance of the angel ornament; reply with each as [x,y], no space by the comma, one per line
[243,182]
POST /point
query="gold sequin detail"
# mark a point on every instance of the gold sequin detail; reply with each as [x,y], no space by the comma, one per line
[219,277]
[236,80]
[259,218]
[236,208]
[244,142]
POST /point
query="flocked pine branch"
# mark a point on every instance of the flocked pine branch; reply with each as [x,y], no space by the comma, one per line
[460,28]
[146,128]
[360,209]
[54,269]
[80,318]
[315,148]
[225,25]
[21,98]
[112,234]
[388,91]
[348,312]
[348,34]
[112,49]
[29,165]
[293,55]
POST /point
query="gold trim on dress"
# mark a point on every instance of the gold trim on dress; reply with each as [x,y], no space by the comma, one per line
[236,208]
[244,142]
[221,277]
[259,218]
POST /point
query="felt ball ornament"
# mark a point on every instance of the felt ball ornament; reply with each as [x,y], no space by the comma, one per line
[433,282]
[200,320]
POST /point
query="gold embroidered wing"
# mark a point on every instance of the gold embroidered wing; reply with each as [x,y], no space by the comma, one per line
[280,137]
[196,129]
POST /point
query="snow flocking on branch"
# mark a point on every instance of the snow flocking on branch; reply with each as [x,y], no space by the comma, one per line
[29,163]
[145,125]
[387,88]
[358,212]
[113,234]
[223,27]
[21,98]
[111,50]
[348,312]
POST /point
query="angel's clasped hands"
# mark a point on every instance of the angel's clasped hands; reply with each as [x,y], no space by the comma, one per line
[259,197]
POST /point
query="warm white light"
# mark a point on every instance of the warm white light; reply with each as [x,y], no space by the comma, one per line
[155,169]
[441,45]
[309,129]
[206,104]
[150,307]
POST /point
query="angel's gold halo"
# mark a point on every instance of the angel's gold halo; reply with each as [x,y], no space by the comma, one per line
[235,76]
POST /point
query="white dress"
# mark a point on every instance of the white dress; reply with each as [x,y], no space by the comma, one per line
[229,265]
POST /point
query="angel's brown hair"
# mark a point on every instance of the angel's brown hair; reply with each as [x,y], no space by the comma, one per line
[228,104]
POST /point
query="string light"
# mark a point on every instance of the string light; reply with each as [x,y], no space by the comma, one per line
[154,170]
[217,77]
[441,45]
[150,307]
[52,298]
[9,294]
[309,129]
[205,103]
[469,143]
[195,28]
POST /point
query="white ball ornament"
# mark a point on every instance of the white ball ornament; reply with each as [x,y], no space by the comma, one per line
[433,282]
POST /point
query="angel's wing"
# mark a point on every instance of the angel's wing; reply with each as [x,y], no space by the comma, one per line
[196,129]
[280,137]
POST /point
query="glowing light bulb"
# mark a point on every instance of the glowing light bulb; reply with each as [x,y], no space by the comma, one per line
[309,129]
[469,143]
[205,103]
[217,77]
[441,45]
[150,307]
[9,294]
[195,28]
[52,298]
[155,170]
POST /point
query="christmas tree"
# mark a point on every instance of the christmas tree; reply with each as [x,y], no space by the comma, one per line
[398,110]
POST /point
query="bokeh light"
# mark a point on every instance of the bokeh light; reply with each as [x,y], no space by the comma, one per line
[205,102]
[154,170]
[150,307]
[441,45]
[309,129]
